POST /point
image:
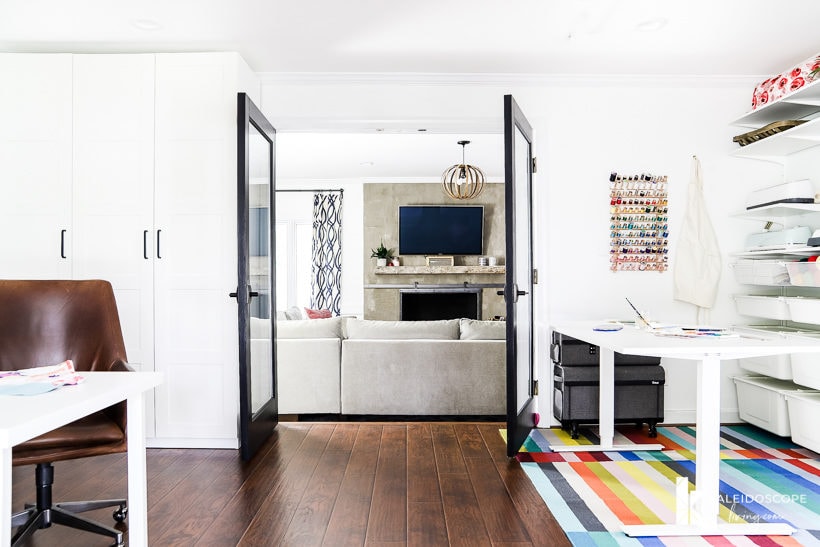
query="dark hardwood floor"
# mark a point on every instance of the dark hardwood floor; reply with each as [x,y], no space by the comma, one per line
[432,483]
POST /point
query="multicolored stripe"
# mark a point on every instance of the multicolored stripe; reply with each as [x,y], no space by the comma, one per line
[764,478]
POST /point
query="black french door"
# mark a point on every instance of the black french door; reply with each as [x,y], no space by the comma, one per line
[518,181]
[255,293]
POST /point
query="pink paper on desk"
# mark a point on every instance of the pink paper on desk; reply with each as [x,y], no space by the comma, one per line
[55,376]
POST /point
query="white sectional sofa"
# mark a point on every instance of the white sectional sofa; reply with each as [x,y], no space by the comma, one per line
[359,367]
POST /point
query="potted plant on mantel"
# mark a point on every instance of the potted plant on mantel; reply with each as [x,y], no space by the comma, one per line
[382,254]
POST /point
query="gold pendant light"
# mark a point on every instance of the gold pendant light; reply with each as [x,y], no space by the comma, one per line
[462,181]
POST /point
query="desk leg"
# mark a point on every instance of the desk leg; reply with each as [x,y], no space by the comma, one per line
[704,514]
[707,444]
[606,397]
[5,501]
[137,476]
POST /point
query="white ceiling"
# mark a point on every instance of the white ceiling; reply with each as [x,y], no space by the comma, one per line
[606,37]
[746,37]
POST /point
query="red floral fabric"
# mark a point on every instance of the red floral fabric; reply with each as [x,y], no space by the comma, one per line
[779,86]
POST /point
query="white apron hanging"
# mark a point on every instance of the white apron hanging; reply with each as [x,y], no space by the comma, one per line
[697,260]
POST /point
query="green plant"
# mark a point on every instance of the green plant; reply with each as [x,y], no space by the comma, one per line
[381,252]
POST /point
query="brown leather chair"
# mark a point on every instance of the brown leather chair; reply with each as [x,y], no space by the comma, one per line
[45,323]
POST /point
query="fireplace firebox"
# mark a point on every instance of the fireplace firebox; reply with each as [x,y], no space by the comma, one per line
[435,304]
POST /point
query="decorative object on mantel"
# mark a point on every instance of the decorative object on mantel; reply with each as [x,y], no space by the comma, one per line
[639,227]
[440,260]
[381,254]
[463,181]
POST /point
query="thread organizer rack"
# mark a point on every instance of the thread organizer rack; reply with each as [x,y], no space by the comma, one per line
[639,223]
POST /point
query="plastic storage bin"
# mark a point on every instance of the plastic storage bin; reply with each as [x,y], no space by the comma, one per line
[761,401]
[773,307]
[761,272]
[776,366]
[804,274]
[804,309]
[806,370]
[804,408]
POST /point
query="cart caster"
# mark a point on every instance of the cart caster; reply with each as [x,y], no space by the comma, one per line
[574,430]
[120,514]
[653,430]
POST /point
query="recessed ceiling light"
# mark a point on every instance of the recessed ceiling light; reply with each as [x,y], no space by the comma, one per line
[421,130]
[145,24]
[652,25]
[366,164]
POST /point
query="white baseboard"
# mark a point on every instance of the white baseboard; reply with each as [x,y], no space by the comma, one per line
[154,442]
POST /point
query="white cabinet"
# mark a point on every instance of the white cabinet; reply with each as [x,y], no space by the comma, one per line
[123,167]
[35,165]
[196,269]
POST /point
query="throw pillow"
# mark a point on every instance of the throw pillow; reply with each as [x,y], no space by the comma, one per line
[293,313]
[318,314]
[472,329]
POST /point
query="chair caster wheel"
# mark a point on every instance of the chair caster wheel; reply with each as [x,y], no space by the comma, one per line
[121,513]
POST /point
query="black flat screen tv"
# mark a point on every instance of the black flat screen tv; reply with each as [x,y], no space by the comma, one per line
[441,229]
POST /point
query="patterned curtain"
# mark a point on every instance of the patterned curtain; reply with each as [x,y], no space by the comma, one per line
[326,270]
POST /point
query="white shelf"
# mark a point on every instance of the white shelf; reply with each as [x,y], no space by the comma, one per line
[796,106]
[778,147]
[800,250]
[779,211]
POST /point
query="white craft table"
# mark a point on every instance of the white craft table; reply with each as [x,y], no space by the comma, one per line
[701,516]
[25,417]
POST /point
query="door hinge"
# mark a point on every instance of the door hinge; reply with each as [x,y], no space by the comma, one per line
[534,165]
[535,388]
[535,276]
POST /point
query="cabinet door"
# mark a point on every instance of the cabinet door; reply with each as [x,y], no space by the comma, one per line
[196,265]
[114,189]
[35,166]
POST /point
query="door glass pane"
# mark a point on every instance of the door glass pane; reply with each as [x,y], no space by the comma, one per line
[260,266]
[304,262]
[523,269]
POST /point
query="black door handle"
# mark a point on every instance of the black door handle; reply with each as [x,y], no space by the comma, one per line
[251,294]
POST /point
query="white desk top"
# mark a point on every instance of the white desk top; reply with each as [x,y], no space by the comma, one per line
[25,417]
[635,341]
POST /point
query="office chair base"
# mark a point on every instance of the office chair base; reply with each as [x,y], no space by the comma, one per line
[44,513]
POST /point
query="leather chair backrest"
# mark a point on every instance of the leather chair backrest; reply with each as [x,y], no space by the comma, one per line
[45,322]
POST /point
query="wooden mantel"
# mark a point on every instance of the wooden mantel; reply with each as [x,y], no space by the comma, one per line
[440,270]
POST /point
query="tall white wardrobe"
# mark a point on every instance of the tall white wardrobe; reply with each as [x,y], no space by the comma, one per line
[123,167]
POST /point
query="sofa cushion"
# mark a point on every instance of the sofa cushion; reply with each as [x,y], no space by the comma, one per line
[310,328]
[294,313]
[363,329]
[472,329]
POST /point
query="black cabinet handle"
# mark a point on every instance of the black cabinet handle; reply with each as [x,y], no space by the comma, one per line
[145,244]
[158,233]
[62,243]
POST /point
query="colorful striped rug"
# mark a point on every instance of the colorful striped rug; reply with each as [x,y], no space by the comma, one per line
[764,478]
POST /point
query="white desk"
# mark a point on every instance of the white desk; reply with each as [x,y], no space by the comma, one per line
[23,418]
[702,516]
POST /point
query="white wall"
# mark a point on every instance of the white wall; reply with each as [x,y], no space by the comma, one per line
[585,128]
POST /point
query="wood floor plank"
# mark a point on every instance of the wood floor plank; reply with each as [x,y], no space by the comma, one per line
[447,450]
[422,478]
[471,442]
[388,511]
[279,506]
[348,522]
[465,523]
[426,524]
[493,441]
[499,513]
[233,521]
[312,516]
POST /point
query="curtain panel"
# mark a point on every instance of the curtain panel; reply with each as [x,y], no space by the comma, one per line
[326,269]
